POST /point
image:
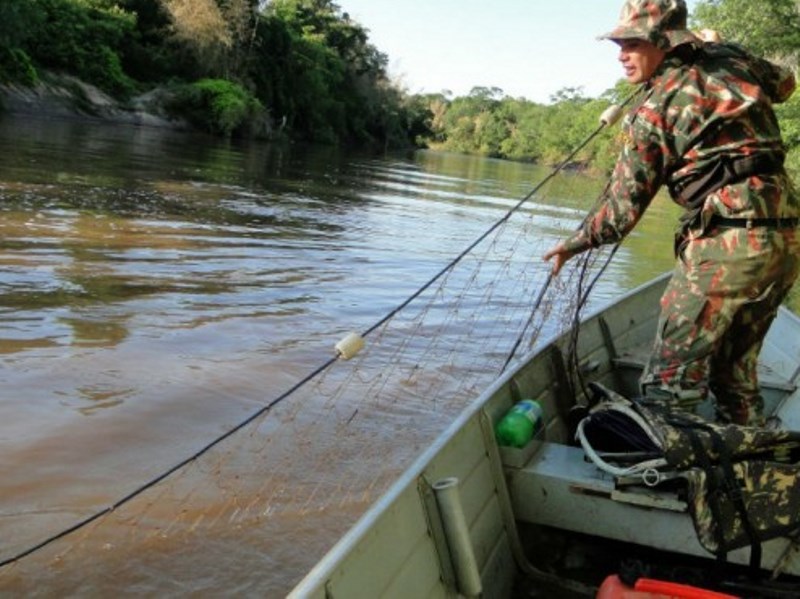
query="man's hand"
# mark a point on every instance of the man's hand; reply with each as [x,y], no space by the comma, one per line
[561,255]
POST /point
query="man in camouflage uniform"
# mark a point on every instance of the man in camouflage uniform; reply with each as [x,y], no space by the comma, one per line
[705,128]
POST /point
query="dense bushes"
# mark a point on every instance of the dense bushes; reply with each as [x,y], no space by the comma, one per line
[17,17]
[16,65]
[218,106]
[82,38]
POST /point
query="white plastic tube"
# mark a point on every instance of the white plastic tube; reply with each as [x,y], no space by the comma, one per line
[456,531]
[350,346]
[611,115]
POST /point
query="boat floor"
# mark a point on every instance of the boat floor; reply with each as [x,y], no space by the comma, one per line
[581,562]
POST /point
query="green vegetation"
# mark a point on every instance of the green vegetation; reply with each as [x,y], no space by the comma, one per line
[303,70]
[217,105]
[295,68]
[486,123]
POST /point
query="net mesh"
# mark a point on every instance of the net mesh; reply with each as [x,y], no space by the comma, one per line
[301,472]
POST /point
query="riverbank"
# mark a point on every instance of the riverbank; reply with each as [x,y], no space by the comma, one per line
[65,97]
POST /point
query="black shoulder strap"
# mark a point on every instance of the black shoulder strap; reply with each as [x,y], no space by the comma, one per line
[734,493]
[714,494]
[724,486]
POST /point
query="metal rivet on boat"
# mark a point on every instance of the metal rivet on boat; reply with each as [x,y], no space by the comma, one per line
[350,346]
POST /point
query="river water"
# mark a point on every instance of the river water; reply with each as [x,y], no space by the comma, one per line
[157,288]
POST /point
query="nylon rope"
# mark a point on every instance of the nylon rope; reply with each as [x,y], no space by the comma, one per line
[576,320]
[549,280]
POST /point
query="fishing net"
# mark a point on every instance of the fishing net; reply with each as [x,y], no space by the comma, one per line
[253,509]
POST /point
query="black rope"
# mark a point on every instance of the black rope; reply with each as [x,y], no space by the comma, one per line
[576,319]
[535,309]
[557,169]
[549,279]
[205,449]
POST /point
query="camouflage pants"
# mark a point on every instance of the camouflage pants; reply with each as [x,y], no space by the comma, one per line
[724,294]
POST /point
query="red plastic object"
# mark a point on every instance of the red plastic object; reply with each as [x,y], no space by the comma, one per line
[648,588]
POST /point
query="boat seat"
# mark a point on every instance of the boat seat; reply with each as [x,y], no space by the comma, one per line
[637,359]
[558,487]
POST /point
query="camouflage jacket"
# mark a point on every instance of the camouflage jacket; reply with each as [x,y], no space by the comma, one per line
[716,104]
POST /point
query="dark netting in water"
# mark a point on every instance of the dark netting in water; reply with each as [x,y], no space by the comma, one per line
[300,473]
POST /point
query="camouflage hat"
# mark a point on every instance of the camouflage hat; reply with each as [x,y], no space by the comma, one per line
[660,22]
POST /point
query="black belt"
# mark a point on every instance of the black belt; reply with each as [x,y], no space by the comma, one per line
[749,223]
[725,171]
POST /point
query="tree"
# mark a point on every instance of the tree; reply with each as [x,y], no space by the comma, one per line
[768,28]
[326,79]
[17,19]
[525,132]
[200,25]
[83,38]
[153,54]
[241,17]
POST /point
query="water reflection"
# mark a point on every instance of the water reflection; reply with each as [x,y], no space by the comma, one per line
[101,397]
[89,332]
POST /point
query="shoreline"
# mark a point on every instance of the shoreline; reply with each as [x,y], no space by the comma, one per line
[63,96]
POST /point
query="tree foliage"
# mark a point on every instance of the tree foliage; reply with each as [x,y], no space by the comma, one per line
[218,106]
[337,81]
[308,65]
[488,123]
[218,33]
[309,70]
[769,28]
[81,37]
